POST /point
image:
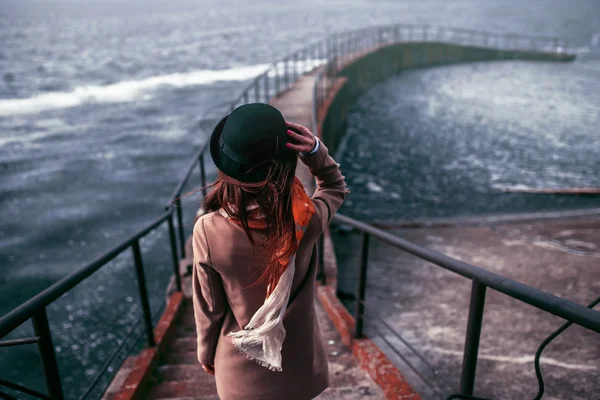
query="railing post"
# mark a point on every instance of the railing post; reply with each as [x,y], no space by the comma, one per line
[174,253]
[330,68]
[267,87]
[256,91]
[180,227]
[324,87]
[202,175]
[305,62]
[141,279]
[348,46]
[277,78]
[362,286]
[321,51]
[294,67]
[285,72]
[340,51]
[469,366]
[337,52]
[41,327]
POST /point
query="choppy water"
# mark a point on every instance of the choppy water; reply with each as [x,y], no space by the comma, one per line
[98,98]
[448,141]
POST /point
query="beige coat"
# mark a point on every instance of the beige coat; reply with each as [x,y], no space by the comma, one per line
[225,264]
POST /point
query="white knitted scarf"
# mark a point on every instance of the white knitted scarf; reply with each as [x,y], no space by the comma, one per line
[262,338]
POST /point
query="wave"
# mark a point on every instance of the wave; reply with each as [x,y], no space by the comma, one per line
[124,91]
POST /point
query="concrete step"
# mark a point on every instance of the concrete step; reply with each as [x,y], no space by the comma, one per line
[191,398]
[184,343]
[180,372]
[201,388]
[185,331]
[187,318]
[179,358]
[350,393]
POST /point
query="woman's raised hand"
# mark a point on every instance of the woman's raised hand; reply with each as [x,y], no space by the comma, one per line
[303,142]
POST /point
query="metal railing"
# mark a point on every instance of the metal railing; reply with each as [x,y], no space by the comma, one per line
[276,79]
[35,308]
[333,52]
[350,46]
[481,279]
[343,48]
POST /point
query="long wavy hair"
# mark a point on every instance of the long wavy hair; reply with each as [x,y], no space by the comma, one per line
[272,201]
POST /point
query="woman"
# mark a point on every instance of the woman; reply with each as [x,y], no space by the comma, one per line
[255,260]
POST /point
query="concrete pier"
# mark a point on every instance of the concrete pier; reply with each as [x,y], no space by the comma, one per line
[417,312]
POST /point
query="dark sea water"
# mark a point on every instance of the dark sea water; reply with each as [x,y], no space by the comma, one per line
[98,99]
[449,141]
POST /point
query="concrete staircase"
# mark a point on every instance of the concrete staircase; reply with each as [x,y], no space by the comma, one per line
[178,374]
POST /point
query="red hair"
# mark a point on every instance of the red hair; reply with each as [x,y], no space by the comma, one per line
[273,196]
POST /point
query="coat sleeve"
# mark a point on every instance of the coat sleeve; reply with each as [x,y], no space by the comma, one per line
[208,297]
[331,184]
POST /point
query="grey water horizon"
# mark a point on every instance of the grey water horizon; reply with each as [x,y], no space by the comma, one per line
[99,100]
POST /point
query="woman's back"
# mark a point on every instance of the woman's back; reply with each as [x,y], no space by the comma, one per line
[226,296]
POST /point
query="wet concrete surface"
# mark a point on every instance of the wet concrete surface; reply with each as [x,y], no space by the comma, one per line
[347,380]
[417,312]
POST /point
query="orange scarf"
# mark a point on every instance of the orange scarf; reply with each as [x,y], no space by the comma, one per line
[302,209]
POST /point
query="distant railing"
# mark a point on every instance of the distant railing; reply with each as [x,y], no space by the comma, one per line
[333,52]
[343,48]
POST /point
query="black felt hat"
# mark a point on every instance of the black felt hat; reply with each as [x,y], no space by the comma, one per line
[246,140]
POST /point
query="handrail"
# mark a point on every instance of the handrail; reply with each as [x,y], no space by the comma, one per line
[329,49]
[186,176]
[560,307]
[22,313]
[471,31]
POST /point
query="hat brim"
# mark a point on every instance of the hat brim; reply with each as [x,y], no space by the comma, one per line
[214,143]
[227,165]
